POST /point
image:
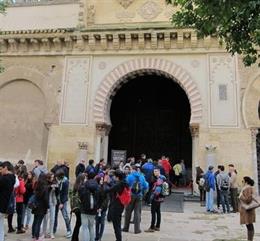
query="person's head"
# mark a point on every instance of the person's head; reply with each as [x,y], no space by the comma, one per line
[163,157]
[119,175]
[143,156]
[219,167]
[127,169]
[222,168]
[156,172]
[160,162]
[79,181]
[83,161]
[248,181]
[20,163]
[91,175]
[6,168]
[231,168]
[60,174]
[38,163]
[102,162]
[91,162]
[30,175]
[150,160]
[211,168]
[50,177]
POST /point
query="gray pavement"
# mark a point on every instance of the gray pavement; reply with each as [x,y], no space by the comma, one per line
[192,225]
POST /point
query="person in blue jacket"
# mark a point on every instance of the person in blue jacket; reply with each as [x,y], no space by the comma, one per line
[139,187]
[147,169]
[210,189]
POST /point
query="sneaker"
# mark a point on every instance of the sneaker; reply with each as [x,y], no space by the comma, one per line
[137,232]
[20,231]
[157,229]
[69,234]
[11,230]
[150,230]
[47,236]
[52,236]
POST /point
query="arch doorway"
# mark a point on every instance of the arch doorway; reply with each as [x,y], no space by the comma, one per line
[151,114]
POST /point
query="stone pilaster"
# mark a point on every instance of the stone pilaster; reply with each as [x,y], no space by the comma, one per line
[254,132]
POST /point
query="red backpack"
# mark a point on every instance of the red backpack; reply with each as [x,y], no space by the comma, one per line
[125,196]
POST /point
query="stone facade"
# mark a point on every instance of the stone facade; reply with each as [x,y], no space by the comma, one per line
[64,60]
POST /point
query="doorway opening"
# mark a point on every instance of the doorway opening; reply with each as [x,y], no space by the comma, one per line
[150,114]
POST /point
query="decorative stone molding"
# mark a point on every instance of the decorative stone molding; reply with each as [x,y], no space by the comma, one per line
[194,129]
[103,129]
[82,145]
[150,10]
[32,42]
[125,16]
[125,3]
[91,14]
[254,132]
[210,148]
[135,67]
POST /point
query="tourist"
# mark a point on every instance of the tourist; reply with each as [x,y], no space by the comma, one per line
[75,205]
[127,169]
[217,187]
[99,166]
[147,170]
[80,168]
[90,203]
[116,208]
[177,173]
[41,204]
[27,213]
[233,187]
[210,189]
[61,165]
[90,168]
[19,198]
[62,202]
[183,173]
[21,166]
[156,199]
[7,182]
[223,184]
[200,180]
[166,166]
[139,187]
[101,214]
[39,169]
[247,217]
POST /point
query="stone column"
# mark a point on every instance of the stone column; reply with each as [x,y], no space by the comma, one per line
[254,132]
[82,151]
[105,143]
[101,141]
[194,128]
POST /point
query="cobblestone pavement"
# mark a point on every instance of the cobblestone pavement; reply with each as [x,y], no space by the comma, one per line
[192,225]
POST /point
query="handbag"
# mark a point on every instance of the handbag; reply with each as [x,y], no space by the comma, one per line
[253,205]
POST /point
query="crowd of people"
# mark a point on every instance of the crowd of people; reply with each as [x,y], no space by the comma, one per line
[101,193]
[225,186]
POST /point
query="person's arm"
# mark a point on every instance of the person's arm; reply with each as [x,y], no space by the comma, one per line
[247,195]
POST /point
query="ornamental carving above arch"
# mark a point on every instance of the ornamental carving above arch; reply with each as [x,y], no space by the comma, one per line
[127,70]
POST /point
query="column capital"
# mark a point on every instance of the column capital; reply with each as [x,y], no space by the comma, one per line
[82,145]
[103,129]
[194,129]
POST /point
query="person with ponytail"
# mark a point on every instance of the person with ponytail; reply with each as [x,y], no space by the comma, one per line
[247,217]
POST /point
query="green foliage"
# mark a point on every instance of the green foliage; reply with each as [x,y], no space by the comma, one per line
[235,22]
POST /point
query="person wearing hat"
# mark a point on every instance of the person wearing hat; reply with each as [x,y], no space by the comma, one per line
[210,189]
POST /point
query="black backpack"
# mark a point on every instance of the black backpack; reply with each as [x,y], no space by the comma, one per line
[90,201]
[137,186]
[224,185]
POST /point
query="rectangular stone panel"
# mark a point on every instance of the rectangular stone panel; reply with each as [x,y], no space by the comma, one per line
[223,91]
[75,90]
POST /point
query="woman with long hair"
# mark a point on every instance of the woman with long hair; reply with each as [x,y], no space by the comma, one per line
[41,205]
[76,205]
[247,217]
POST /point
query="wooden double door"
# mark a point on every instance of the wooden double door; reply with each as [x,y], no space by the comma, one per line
[150,115]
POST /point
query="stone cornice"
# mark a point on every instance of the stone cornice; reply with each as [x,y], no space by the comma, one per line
[53,41]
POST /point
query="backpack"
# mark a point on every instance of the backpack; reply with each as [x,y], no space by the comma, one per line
[33,203]
[224,185]
[75,202]
[137,187]
[90,169]
[125,196]
[165,189]
[202,182]
[90,201]
[207,185]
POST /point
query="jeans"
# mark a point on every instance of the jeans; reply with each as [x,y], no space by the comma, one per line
[100,225]
[75,235]
[27,215]
[50,216]
[210,200]
[156,214]
[19,211]
[234,199]
[64,212]
[224,200]
[36,227]
[87,227]
[136,206]
[2,230]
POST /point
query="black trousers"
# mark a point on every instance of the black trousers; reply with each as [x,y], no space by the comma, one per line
[116,216]
[75,235]
[36,227]
[156,214]
[218,198]
[10,221]
[19,211]
[202,195]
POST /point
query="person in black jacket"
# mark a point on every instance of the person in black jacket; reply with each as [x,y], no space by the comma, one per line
[61,166]
[116,207]
[80,168]
[41,205]
[7,181]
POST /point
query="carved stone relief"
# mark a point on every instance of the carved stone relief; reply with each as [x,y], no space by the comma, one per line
[125,16]
[125,3]
[149,10]
[91,14]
